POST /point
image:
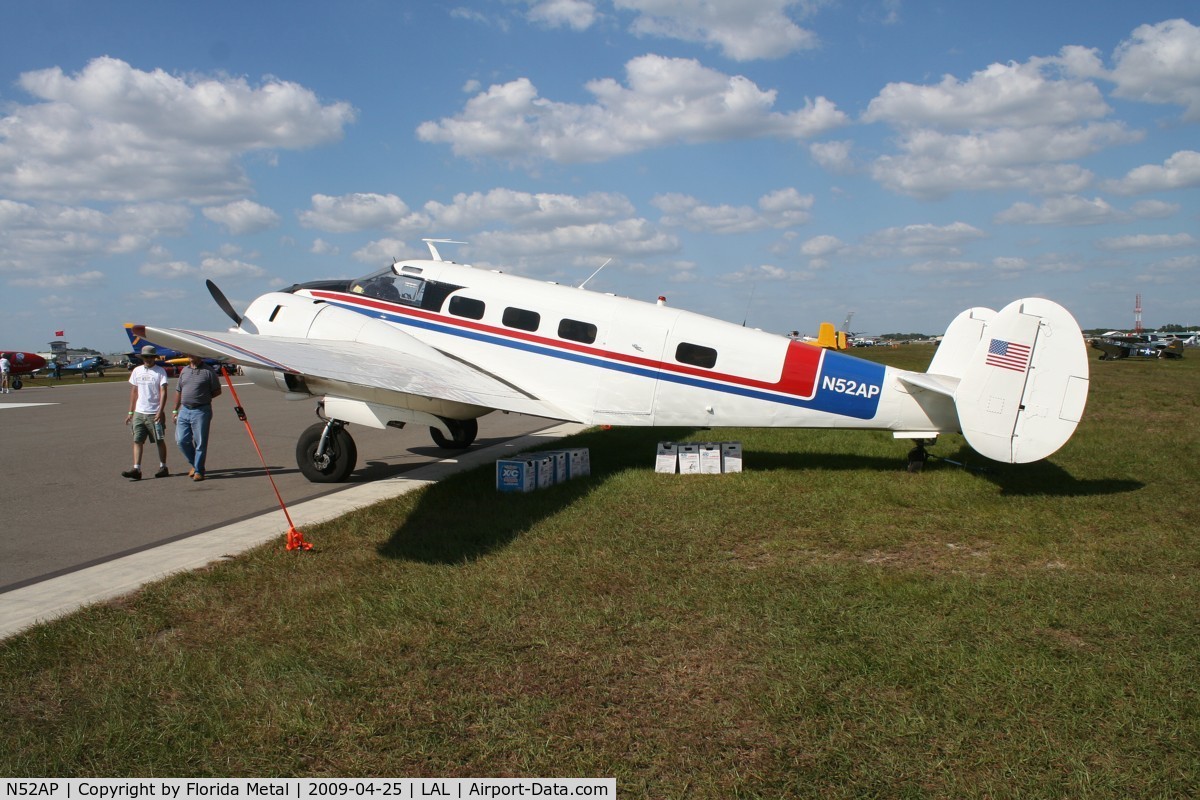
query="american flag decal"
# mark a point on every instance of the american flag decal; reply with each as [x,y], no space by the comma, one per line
[1008,355]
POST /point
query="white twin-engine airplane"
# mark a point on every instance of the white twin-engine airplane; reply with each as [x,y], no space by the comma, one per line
[441,344]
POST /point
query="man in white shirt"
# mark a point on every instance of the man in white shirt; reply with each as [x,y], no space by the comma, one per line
[5,369]
[147,408]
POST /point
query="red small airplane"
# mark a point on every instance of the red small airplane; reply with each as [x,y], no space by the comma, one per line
[22,364]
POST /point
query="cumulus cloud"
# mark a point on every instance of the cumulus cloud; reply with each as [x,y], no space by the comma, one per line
[243,217]
[1069,210]
[629,237]
[113,132]
[526,210]
[923,239]
[784,208]
[742,31]
[1145,241]
[358,212]
[577,15]
[1180,171]
[1161,64]
[664,101]
[1034,93]
[1009,126]
[50,236]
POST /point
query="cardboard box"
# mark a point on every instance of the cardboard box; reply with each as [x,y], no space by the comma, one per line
[516,475]
[579,462]
[731,456]
[689,459]
[558,464]
[668,458]
[544,465]
[710,458]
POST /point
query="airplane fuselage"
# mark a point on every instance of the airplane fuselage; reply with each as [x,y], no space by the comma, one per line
[602,359]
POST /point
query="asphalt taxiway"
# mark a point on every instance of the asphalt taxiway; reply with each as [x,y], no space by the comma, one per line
[75,532]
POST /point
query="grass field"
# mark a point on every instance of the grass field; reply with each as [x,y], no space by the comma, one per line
[822,625]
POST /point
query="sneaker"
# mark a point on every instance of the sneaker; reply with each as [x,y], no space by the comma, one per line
[132,474]
[197,477]
[162,472]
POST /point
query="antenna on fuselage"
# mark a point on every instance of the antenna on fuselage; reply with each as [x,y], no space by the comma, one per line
[749,300]
[433,251]
[594,274]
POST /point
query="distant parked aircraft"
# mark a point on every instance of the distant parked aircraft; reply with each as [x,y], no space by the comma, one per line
[22,364]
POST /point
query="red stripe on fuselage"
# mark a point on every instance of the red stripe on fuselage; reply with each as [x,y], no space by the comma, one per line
[801,363]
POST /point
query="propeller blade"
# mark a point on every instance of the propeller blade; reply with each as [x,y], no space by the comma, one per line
[223,302]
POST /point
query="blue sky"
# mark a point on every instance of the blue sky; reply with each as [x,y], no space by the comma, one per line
[772,161]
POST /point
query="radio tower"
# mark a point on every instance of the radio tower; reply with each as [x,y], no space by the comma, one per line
[1137,315]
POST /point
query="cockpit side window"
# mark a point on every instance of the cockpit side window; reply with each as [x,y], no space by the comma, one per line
[387,285]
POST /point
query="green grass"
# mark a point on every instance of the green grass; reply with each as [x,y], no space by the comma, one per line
[823,625]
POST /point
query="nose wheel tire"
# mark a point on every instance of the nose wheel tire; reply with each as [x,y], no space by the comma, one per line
[335,463]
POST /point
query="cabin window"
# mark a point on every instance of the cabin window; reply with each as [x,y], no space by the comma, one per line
[521,319]
[467,307]
[696,355]
[577,331]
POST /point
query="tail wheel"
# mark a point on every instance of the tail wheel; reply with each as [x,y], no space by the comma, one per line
[337,461]
[463,433]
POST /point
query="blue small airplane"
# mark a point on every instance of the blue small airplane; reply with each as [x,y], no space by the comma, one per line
[96,364]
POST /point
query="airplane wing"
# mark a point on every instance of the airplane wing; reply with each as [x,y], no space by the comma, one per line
[394,361]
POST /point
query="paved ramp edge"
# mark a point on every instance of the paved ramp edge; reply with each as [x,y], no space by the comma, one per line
[30,605]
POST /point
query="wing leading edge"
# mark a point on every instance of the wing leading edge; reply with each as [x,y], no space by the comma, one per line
[393,362]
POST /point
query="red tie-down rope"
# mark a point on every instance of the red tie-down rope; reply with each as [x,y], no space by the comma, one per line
[295,539]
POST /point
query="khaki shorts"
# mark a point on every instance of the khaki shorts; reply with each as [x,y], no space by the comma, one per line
[143,428]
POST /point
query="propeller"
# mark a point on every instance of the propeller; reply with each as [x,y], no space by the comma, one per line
[223,302]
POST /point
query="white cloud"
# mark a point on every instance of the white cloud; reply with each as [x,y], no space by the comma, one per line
[763,272]
[833,156]
[743,31]
[923,239]
[933,164]
[525,210]
[358,212]
[822,246]
[1144,241]
[1161,64]
[73,280]
[382,251]
[167,270]
[223,267]
[665,101]
[1010,126]
[243,217]
[630,237]
[1007,95]
[113,132]
[1070,210]
[780,209]
[321,247]
[578,15]
[1180,171]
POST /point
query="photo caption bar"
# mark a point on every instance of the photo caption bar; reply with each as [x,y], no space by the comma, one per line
[303,788]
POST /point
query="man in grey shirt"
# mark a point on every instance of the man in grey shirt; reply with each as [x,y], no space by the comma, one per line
[194,393]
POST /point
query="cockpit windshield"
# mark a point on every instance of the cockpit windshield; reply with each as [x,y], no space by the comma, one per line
[387,285]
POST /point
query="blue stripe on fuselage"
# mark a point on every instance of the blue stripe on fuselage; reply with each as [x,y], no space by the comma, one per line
[846,385]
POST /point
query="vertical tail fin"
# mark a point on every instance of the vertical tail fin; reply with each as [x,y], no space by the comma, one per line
[1023,378]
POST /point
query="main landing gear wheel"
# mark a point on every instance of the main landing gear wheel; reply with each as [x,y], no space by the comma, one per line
[463,432]
[17,383]
[326,453]
[917,457]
